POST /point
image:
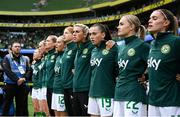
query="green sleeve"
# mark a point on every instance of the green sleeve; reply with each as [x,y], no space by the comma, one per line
[177,47]
[145,51]
[177,53]
[116,69]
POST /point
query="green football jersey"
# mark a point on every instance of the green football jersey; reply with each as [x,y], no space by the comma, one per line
[42,71]
[104,66]
[132,61]
[68,65]
[35,75]
[82,76]
[58,86]
[49,68]
[163,65]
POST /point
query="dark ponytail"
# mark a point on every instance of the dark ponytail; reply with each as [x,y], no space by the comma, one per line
[105,29]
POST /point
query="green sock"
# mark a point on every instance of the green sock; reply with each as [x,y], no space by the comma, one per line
[43,114]
[39,114]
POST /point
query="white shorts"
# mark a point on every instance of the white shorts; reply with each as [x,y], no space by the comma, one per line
[58,102]
[100,106]
[163,111]
[43,93]
[35,94]
[129,109]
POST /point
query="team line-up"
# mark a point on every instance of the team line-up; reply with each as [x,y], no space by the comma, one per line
[85,73]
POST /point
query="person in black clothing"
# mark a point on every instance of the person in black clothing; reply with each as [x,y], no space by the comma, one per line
[16,73]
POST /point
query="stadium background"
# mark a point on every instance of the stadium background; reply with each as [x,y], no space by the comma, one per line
[30,21]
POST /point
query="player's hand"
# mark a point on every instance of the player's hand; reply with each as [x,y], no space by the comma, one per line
[110,44]
[21,81]
[142,81]
[73,71]
[178,77]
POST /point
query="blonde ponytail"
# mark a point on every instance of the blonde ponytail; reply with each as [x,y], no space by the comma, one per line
[141,32]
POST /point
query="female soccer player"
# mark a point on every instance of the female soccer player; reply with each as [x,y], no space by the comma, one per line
[68,67]
[104,65]
[36,81]
[50,60]
[43,100]
[82,74]
[58,104]
[163,65]
[130,96]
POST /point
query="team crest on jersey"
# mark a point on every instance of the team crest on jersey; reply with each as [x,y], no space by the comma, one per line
[69,52]
[105,52]
[165,49]
[52,57]
[131,52]
[57,69]
[45,58]
[41,65]
[60,61]
[85,51]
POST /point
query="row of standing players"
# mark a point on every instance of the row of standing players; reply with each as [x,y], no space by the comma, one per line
[78,76]
[101,78]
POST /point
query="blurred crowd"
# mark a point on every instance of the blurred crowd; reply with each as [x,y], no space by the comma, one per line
[28,39]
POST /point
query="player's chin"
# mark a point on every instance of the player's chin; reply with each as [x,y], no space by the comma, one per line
[93,42]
